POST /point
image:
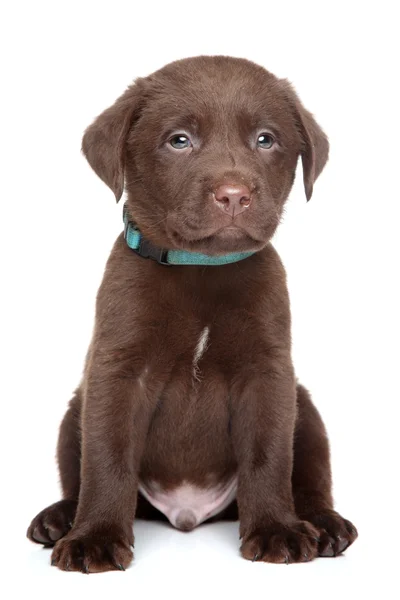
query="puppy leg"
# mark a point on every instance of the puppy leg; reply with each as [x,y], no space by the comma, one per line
[312,482]
[263,411]
[69,449]
[56,520]
[116,414]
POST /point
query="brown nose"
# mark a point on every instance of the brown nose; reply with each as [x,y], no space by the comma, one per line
[232,199]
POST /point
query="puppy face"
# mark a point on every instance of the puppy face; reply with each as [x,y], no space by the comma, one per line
[207,149]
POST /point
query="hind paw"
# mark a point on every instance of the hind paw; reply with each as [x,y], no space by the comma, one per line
[336,534]
[52,523]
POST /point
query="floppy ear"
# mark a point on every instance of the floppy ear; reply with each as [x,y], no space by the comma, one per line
[103,142]
[315,151]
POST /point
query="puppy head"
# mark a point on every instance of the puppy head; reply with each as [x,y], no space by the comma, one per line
[206,149]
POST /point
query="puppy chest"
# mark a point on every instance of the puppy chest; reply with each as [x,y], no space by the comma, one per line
[189,432]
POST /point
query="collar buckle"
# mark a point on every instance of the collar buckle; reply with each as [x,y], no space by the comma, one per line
[147,250]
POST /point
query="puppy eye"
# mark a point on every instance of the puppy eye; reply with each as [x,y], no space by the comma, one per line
[265,141]
[180,142]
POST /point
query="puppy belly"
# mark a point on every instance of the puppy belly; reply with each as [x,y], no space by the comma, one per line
[187,505]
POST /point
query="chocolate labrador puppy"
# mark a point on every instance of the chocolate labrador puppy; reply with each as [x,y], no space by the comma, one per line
[189,409]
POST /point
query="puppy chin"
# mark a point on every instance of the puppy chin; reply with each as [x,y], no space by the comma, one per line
[224,241]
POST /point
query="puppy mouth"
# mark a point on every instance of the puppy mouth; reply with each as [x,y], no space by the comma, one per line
[230,230]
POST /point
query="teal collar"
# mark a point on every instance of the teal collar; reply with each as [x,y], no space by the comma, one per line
[146,249]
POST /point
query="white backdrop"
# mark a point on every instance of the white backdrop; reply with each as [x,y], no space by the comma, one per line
[62,64]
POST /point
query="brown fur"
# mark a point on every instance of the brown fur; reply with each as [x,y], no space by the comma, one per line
[138,411]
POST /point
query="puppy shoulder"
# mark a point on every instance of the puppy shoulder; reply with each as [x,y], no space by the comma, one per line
[274,271]
[123,281]
[274,283]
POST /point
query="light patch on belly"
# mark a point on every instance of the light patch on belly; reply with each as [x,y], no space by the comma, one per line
[201,347]
[187,505]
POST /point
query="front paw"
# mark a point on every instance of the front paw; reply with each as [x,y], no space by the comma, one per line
[94,552]
[279,543]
